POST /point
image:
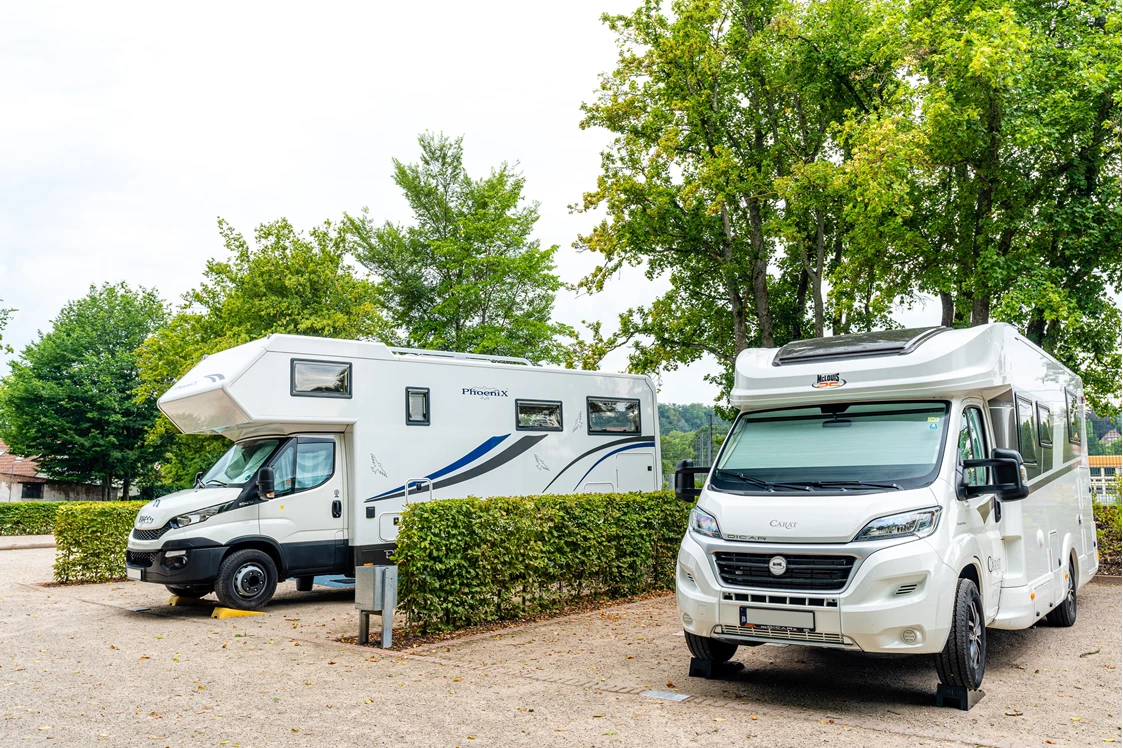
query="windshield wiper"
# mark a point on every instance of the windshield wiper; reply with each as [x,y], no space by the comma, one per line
[761,483]
[215,480]
[844,483]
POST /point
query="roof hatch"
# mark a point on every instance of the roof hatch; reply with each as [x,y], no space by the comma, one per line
[860,345]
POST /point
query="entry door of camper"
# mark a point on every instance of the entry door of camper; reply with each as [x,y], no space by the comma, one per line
[306,515]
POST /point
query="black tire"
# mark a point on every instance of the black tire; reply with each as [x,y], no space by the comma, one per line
[964,659]
[304,584]
[1065,614]
[246,580]
[705,648]
[193,591]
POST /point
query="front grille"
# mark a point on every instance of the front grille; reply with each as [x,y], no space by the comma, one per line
[764,632]
[153,534]
[140,558]
[811,573]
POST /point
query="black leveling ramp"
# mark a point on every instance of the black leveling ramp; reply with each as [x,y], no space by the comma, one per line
[709,669]
[957,697]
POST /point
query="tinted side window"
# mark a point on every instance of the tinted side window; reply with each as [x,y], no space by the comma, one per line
[321,378]
[1072,417]
[1027,432]
[612,416]
[1044,426]
[972,445]
[284,470]
[538,415]
[315,463]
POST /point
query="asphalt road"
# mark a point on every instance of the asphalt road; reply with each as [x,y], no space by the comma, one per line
[114,665]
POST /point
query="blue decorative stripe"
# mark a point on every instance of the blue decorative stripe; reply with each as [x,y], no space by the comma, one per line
[605,457]
[475,454]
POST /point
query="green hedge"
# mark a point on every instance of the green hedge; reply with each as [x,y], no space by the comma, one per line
[463,562]
[90,540]
[28,517]
[1107,533]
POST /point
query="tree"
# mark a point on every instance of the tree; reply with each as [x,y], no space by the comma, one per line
[467,276]
[289,282]
[68,400]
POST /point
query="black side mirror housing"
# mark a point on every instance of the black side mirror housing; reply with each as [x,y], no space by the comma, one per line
[684,480]
[265,483]
[1009,476]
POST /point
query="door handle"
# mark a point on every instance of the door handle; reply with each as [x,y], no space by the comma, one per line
[337,509]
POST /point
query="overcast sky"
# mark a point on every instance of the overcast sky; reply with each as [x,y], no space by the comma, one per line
[129,129]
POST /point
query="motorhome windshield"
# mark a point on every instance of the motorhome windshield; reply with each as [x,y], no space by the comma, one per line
[238,465]
[836,447]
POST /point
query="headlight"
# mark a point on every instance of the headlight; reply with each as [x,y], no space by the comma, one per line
[920,523]
[196,516]
[703,523]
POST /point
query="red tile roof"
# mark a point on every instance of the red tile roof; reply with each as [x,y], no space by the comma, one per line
[11,465]
[1093,460]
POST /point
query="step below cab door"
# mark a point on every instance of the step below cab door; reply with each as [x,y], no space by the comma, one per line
[305,517]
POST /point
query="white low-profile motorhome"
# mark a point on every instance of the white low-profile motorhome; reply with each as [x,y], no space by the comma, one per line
[331,438]
[891,492]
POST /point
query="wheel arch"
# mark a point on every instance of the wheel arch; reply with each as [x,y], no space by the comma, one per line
[260,543]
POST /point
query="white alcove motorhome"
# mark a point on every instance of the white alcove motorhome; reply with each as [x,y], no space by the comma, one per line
[331,438]
[892,492]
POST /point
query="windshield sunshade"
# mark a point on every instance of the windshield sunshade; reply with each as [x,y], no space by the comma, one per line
[859,446]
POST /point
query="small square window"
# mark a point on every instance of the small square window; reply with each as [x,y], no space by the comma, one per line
[538,415]
[31,490]
[612,416]
[417,406]
[321,378]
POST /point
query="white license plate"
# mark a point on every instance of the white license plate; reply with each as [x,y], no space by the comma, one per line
[132,573]
[788,620]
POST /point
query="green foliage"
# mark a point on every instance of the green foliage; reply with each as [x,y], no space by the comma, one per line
[289,282]
[28,517]
[1108,531]
[466,276]
[689,417]
[5,315]
[90,540]
[463,562]
[69,398]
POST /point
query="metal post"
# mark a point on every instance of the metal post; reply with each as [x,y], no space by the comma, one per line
[364,627]
[710,446]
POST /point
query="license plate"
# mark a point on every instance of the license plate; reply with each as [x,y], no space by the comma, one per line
[132,573]
[785,620]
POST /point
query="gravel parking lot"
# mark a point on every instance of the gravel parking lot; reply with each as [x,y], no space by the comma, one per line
[114,665]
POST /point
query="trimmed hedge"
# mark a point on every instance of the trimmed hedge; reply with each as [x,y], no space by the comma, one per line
[463,562]
[1107,536]
[90,540]
[28,517]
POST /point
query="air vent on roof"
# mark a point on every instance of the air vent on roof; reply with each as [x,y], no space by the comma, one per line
[861,345]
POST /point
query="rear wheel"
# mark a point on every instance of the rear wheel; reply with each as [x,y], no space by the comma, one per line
[963,661]
[705,648]
[1065,613]
[192,591]
[246,580]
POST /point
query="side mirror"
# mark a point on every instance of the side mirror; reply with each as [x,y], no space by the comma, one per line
[198,479]
[265,483]
[1009,476]
[684,480]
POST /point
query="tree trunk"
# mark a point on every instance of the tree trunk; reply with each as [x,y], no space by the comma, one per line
[760,275]
[125,486]
[106,487]
[947,309]
[1035,330]
[980,310]
[736,301]
[817,278]
[800,305]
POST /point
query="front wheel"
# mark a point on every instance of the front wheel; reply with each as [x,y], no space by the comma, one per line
[963,660]
[1065,613]
[246,580]
[705,648]
[193,591]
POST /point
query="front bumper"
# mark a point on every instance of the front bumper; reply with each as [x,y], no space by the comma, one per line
[896,600]
[192,566]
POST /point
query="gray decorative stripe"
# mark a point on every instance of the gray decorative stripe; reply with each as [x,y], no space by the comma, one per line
[606,445]
[1043,480]
[498,460]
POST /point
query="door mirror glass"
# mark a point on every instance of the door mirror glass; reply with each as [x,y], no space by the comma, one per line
[1009,476]
[265,483]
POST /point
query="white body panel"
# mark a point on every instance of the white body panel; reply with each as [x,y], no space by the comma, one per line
[470,445]
[1021,560]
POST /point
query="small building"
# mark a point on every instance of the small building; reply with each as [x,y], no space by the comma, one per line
[1110,437]
[20,480]
[1104,469]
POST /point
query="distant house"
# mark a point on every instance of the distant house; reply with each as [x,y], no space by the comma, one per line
[1104,468]
[1111,436]
[20,480]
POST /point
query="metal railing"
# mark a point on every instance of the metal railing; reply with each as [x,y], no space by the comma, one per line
[464,356]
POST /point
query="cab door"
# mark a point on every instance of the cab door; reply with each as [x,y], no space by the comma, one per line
[979,515]
[305,516]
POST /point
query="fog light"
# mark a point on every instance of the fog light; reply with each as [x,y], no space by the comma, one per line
[908,636]
[687,619]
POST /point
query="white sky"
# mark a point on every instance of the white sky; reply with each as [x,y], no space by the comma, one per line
[128,129]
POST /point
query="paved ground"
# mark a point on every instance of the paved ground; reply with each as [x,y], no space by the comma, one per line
[20,542]
[81,666]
